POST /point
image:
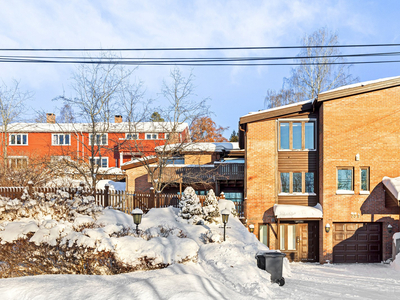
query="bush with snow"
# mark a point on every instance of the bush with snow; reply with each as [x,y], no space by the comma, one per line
[191,207]
[211,236]
[210,208]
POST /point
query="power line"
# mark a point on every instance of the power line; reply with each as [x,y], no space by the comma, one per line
[199,48]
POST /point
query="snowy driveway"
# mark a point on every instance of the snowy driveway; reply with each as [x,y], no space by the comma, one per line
[342,281]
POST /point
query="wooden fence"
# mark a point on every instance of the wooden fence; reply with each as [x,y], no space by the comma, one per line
[122,200]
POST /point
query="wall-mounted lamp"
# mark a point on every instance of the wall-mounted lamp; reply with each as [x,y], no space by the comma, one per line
[390,228]
[357,157]
[251,227]
[327,228]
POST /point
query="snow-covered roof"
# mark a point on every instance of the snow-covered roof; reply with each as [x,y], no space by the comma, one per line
[284,211]
[201,147]
[104,127]
[146,159]
[359,84]
[278,108]
[393,185]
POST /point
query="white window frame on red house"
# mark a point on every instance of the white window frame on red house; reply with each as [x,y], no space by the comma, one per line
[100,139]
[153,136]
[131,136]
[166,135]
[98,159]
[15,135]
[57,141]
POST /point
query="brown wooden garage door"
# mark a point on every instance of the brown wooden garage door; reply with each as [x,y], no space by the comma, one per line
[357,242]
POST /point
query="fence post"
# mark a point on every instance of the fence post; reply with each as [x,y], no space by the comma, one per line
[30,188]
[152,198]
[106,195]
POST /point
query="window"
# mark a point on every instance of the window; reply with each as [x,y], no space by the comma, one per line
[98,139]
[131,136]
[297,183]
[61,139]
[264,234]
[17,162]
[102,162]
[364,179]
[287,240]
[297,135]
[345,179]
[234,196]
[166,135]
[19,139]
[175,161]
[151,136]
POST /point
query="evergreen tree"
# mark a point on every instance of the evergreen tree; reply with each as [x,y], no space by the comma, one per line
[210,207]
[190,206]
[234,137]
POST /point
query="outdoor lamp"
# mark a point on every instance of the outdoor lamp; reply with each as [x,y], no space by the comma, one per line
[225,217]
[327,228]
[137,214]
[390,228]
[251,227]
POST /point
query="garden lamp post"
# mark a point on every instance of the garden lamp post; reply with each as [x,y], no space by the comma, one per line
[225,217]
[137,214]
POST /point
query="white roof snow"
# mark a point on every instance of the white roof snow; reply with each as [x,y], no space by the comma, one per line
[201,147]
[102,127]
[359,84]
[283,211]
[278,108]
[393,185]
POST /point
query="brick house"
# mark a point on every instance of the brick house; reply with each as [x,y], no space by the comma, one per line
[314,170]
[204,166]
[116,143]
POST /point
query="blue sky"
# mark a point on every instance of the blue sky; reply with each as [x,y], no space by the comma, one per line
[234,91]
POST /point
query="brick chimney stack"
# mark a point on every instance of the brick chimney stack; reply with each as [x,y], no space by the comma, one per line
[118,119]
[50,118]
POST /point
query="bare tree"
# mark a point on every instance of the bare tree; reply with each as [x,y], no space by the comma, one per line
[66,114]
[12,104]
[320,69]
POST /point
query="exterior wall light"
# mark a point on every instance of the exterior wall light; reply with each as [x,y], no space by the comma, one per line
[225,217]
[251,227]
[390,228]
[327,228]
[137,214]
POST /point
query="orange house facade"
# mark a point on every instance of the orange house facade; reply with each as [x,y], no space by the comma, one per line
[114,144]
[314,171]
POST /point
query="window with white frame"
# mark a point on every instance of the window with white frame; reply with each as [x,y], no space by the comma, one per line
[364,172]
[297,183]
[345,179]
[59,139]
[151,136]
[131,136]
[297,135]
[167,135]
[102,162]
[18,139]
[98,139]
[17,162]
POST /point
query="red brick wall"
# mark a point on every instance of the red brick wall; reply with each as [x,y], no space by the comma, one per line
[368,125]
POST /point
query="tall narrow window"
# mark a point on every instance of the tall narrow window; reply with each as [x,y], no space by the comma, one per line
[345,179]
[264,234]
[296,136]
[309,182]
[309,135]
[364,179]
[297,182]
[282,237]
[285,181]
[291,237]
[284,135]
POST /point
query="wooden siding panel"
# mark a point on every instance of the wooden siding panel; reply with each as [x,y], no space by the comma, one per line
[292,161]
[298,200]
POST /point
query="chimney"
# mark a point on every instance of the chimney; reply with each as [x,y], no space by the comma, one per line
[50,118]
[118,119]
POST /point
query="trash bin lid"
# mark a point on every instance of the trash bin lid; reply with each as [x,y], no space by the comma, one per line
[272,254]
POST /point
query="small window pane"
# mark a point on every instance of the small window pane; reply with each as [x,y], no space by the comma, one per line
[67,139]
[24,139]
[264,234]
[345,179]
[309,135]
[291,237]
[297,136]
[364,180]
[309,182]
[104,139]
[18,139]
[285,182]
[297,182]
[61,139]
[284,134]
[148,136]
[104,163]
[282,239]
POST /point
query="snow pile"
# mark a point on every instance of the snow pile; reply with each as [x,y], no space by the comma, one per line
[393,185]
[117,186]
[283,211]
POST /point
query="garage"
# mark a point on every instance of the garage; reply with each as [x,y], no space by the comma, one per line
[357,242]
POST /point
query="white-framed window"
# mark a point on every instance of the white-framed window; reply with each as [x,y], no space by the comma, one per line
[345,180]
[364,172]
[297,135]
[131,136]
[17,162]
[60,139]
[18,139]
[151,136]
[98,139]
[167,135]
[102,162]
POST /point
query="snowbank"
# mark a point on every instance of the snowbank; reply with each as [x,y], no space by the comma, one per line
[117,186]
